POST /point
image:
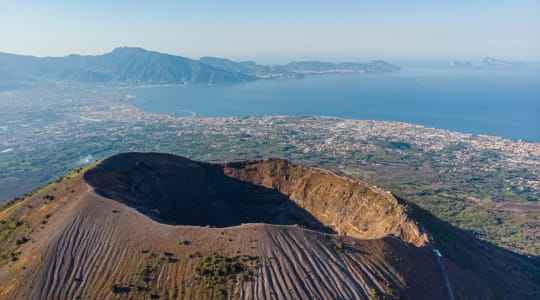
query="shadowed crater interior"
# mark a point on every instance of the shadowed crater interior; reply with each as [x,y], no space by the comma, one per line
[176,190]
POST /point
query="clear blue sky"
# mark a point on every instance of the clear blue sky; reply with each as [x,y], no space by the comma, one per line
[277,31]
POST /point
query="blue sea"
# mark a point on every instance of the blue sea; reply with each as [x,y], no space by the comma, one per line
[495,102]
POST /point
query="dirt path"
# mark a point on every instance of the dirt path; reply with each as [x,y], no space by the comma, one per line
[443,269]
[445,275]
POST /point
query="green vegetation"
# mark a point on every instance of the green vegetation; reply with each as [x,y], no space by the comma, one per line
[151,255]
[113,287]
[219,272]
[338,245]
[389,294]
[21,241]
[10,231]
[145,275]
[145,272]
[116,288]
[48,197]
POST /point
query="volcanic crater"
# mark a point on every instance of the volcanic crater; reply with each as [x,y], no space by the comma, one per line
[178,191]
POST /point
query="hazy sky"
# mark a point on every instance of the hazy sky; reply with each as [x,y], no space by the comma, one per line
[275,31]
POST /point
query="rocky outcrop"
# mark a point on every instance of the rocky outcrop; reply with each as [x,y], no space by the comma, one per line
[344,204]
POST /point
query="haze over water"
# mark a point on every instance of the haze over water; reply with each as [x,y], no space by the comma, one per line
[494,102]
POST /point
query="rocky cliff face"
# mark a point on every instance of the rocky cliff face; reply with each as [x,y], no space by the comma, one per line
[346,205]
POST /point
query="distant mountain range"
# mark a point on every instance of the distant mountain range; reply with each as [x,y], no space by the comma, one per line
[297,69]
[137,65]
[487,62]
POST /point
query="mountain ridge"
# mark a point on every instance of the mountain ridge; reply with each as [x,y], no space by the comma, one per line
[138,65]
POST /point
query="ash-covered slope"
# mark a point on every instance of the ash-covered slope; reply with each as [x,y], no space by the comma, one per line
[146,225]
